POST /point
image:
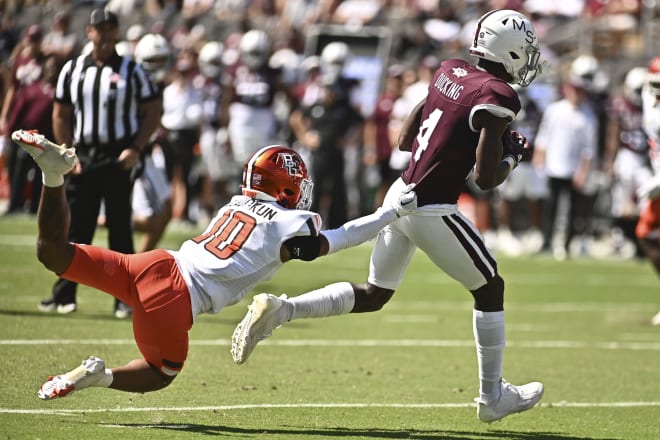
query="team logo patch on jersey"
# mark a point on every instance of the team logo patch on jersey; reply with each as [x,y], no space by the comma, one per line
[459,72]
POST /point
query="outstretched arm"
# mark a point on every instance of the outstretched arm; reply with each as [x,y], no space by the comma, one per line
[351,233]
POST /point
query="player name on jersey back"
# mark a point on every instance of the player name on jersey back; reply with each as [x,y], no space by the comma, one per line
[256,207]
[448,87]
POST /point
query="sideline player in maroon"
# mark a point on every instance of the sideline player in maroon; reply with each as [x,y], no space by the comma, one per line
[461,127]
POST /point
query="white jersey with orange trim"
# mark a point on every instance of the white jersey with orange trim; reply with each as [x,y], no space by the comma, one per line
[239,249]
[651,125]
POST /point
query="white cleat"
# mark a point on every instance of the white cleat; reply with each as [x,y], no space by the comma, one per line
[49,156]
[513,399]
[88,373]
[258,324]
[656,319]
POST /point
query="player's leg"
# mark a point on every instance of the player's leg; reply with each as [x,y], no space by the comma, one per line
[389,260]
[457,247]
[53,218]
[161,319]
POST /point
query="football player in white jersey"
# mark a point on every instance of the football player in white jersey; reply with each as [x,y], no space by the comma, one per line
[648,227]
[249,239]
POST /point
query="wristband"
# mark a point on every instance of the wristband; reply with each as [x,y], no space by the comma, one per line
[510,161]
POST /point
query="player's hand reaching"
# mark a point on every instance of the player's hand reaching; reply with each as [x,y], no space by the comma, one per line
[407,202]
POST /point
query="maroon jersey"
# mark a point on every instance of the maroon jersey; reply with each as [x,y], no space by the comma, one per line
[444,151]
[254,87]
[629,115]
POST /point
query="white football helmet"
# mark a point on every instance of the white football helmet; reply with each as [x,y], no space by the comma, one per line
[586,71]
[508,37]
[153,52]
[633,83]
[336,52]
[210,59]
[334,58]
[255,48]
[288,62]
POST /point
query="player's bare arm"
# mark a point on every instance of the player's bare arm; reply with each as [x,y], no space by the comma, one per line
[411,127]
[150,119]
[490,169]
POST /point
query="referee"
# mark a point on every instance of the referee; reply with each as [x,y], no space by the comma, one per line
[107,108]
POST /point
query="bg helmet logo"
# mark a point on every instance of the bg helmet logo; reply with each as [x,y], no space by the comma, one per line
[289,163]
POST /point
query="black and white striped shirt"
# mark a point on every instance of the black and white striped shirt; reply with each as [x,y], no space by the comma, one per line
[105,99]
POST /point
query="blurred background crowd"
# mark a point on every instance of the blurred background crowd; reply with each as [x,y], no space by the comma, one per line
[336,79]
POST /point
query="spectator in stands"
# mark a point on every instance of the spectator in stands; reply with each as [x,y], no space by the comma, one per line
[32,108]
[60,41]
[27,64]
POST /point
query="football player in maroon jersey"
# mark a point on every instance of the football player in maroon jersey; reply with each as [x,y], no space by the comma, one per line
[460,127]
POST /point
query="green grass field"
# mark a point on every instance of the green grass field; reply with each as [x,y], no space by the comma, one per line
[408,372]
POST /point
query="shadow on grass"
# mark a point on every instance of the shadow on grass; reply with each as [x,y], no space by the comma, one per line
[295,432]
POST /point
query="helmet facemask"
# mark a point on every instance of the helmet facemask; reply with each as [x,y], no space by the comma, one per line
[531,69]
[306,191]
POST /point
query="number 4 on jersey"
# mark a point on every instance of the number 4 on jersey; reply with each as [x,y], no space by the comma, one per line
[425,131]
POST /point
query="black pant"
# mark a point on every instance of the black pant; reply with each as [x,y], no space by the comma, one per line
[558,187]
[85,192]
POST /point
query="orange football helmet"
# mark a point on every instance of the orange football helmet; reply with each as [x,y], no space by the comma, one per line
[278,174]
[653,76]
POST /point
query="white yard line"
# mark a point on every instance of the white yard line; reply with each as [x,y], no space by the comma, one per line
[405,305]
[602,345]
[313,405]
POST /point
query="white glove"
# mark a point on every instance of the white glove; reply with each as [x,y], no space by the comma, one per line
[650,188]
[407,202]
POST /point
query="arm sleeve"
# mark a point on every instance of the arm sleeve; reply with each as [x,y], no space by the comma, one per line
[359,230]
[305,248]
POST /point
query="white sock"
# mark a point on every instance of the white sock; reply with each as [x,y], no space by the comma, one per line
[106,380]
[334,299]
[490,338]
[52,180]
